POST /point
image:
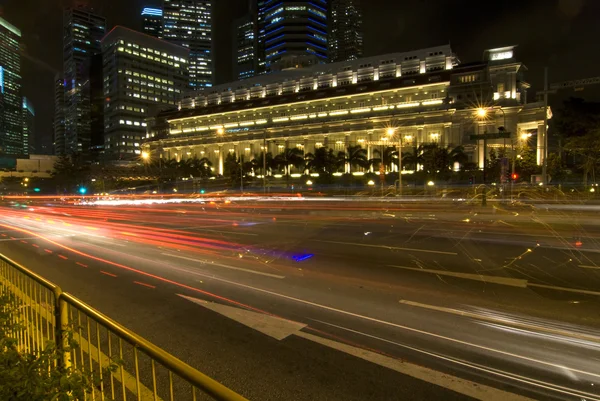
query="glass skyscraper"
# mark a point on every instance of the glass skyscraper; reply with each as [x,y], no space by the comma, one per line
[82,33]
[11,121]
[345,30]
[152,21]
[291,33]
[29,142]
[59,115]
[245,36]
[188,23]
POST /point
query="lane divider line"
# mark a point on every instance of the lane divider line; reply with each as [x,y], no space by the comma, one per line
[108,274]
[48,250]
[393,248]
[506,322]
[225,266]
[144,284]
[63,257]
[35,245]
[81,264]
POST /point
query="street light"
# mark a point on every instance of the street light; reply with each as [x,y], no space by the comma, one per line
[481,112]
[220,131]
[145,155]
[525,137]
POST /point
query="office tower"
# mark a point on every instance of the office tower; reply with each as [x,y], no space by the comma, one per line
[82,33]
[29,140]
[141,74]
[188,23]
[152,21]
[345,37]
[245,46]
[291,33]
[59,115]
[11,122]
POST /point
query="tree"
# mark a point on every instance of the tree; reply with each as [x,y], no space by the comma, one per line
[231,169]
[556,167]
[587,147]
[389,157]
[323,161]
[70,172]
[356,156]
[290,157]
[412,159]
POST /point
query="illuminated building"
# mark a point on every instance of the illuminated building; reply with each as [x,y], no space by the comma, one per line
[291,34]
[11,123]
[424,96]
[29,141]
[245,37]
[188,23]
[141,74]
[152,21]
[345,37]
[59,115]
[83,31]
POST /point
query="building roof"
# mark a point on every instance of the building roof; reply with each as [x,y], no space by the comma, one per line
[10,26]
[140,37]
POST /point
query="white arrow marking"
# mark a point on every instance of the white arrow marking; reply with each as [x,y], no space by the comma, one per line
[279,329]
[272,326]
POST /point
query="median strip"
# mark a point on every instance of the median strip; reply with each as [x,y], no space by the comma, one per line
[513,282]
[393,248]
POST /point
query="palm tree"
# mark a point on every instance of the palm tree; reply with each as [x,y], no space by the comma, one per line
[356,156]
[413,158]
[259,163]
[290,157]
[390,156]
[323,161]
[458,155]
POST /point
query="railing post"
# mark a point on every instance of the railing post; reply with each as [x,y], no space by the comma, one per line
[61,315]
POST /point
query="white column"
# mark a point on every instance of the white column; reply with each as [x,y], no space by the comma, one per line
[221,171]
[540,144]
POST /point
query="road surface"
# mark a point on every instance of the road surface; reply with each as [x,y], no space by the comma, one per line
[305,299]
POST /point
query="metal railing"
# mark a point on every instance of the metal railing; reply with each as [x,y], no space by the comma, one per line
[140,369]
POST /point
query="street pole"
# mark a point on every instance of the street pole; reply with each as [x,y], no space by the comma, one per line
[400,165]
[484,195]
[265,162]
[242,173]
[545,139]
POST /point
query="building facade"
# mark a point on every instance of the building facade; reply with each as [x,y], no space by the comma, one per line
[245,47]
[142,74]
[345,34]
[291,34]
[82,33]
[11,101]
[29,139]
[421,97]
[59,116]
[152,21]
[188,23]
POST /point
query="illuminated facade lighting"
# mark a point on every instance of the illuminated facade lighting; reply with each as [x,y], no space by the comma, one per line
[152,21]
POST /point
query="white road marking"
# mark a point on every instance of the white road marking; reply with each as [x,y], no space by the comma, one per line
[496,372]
[507,322]
[466,387]
[272,326]
[399,326]
[589,267]
[388,247]
[223,265]
[553,287]
[513,282]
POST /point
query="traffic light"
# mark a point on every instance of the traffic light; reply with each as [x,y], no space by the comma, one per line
[471,180]
[202,191]
[36,190]
[82,190]
[514,176]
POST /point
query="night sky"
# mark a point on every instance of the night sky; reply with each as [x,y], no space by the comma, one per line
[562,34]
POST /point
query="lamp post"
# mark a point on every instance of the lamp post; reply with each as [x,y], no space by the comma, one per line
[482,113]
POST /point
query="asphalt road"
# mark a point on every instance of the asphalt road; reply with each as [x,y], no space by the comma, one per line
[498,303]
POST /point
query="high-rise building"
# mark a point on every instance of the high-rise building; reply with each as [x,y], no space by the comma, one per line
[59,115]
[142,75]
[82,33]
[345,35]
[188,23]
[245,45]
[29,140]
[11,121]
[291,33]
[152,21]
